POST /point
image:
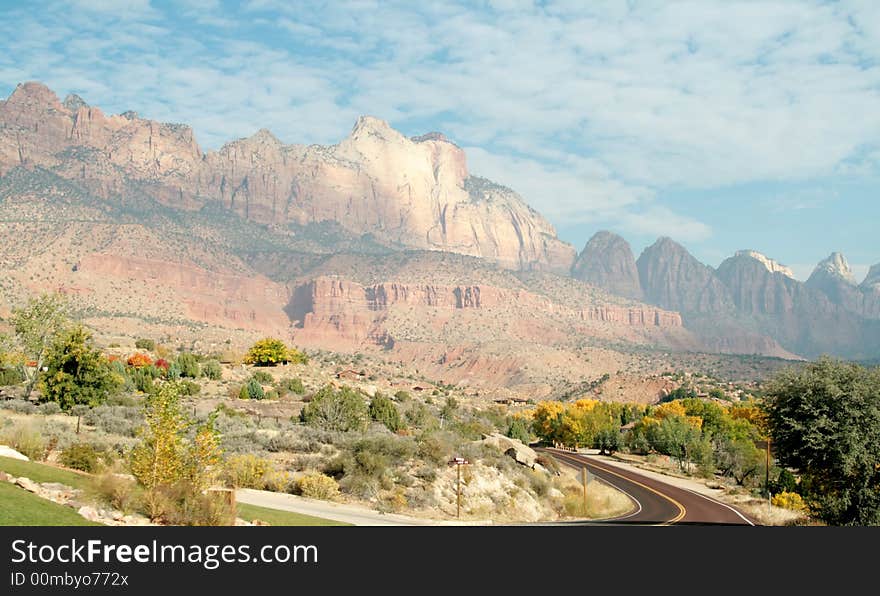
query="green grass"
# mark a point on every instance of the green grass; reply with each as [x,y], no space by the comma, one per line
[277,517]
[44,473]
[21,508]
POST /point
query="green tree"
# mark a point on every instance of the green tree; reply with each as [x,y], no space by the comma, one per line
[36,324]
[270,351]
[717,393]
[672,436]
[77,372]
[212,370]
[738,458]
[188,365]
[607,440]
[383,410]
[145,344]
[251,390]
[824,422]
[519,429]
[342,410]
[291,384]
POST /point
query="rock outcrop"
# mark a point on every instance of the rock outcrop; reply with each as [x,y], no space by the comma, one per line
[607,262]
[328,307]
[771,265]
[404,192]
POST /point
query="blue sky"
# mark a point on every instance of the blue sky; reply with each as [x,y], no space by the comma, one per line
[723,125]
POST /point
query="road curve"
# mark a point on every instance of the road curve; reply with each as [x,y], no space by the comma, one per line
[654,502]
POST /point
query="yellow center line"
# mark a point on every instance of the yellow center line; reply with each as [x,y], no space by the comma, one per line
[681,510]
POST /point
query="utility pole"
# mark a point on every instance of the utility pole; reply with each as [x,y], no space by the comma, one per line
[767,467]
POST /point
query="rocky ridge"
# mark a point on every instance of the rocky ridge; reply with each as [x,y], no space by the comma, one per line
[413,193]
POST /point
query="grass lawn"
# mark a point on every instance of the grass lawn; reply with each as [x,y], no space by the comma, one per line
[32,513]
[277,517]
[21,508]
[43,472]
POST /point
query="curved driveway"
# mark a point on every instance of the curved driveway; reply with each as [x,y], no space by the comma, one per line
[654,502]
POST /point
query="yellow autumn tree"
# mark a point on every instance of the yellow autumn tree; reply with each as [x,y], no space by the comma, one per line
[271,351]
[157,461]
[669,409]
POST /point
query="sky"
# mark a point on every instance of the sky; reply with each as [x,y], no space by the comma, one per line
[724,125]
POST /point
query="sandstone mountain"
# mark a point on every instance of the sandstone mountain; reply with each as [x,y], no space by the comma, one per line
[834,278]
[672,278]
[607,262]
[413,193]
[801,318]
[379,243]
[752,302]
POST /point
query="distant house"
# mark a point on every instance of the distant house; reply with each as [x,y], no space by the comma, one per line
[512,401]
[351,375]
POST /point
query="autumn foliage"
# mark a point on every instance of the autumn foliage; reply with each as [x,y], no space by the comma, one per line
[139,360]
[270,351]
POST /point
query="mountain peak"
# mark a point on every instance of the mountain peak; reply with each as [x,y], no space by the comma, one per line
[264,136]
[74,102]
[32,92]
[607,262]
[837,266]
[771,265]
[370,124]
[873,278]
[430,136]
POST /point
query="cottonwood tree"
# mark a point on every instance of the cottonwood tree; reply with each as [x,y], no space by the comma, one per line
[36,324]
[825,422]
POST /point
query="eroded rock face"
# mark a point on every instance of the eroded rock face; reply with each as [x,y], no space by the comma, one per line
[771,265]
[330,307]
[607,262]
[413,193]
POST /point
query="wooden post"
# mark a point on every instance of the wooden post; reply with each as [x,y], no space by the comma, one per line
[458,500]
[78,418]
[585,489]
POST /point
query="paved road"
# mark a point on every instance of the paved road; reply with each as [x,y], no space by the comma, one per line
[654,502]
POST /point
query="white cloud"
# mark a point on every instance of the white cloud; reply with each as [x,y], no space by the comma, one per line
[586,109]
[657,220]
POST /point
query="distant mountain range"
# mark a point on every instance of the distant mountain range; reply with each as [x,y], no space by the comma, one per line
[749,292]
[379,241]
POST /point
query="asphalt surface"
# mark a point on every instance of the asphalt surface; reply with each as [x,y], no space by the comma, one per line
[654,502]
